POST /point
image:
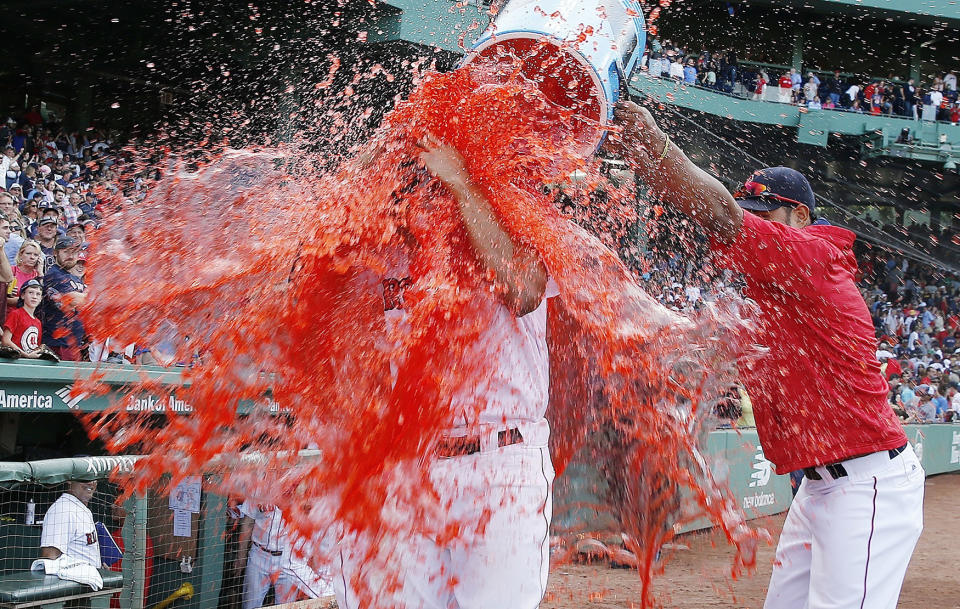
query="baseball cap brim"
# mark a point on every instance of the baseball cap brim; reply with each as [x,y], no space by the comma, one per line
[758,204]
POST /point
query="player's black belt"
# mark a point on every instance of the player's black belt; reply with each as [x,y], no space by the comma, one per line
[270,552]
[461,446]
[837,471]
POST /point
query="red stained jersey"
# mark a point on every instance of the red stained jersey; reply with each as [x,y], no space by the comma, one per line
[818,394]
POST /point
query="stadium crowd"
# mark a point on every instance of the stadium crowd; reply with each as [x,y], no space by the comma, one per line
[720,70]
[51,200]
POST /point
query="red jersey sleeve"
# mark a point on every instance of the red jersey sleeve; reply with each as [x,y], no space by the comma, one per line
[771,253]
[16,323]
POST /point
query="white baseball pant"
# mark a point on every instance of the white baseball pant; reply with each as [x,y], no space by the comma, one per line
[846,542]
[504,564]
[265,570]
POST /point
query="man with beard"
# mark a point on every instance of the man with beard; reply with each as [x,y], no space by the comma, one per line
[64,293]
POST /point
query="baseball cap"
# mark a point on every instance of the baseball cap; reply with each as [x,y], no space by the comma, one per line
[47,220]
[774,187]
[31,283]
[66,242]
[15,185]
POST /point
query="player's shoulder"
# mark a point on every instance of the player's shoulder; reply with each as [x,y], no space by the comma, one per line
[63,505]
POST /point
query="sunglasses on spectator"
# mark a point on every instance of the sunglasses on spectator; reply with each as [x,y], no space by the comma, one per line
[756,190]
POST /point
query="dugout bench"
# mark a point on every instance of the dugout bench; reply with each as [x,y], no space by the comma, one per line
[35,589]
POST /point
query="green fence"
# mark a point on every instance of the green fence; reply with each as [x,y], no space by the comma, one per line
[736,459]
[153,544]
[155,549]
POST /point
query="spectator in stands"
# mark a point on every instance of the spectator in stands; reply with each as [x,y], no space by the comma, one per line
[690,73]
[31,212]
[931,105]
[10,211]
[927,411]
[676,69]
[852,95]
[909,93]
[64,293]
[47,238]
[786,88]
[710,76]
[28,265]
[68,526]
[796,83]
[810,90]
[6,272]
[954,397]
[22,329]
[760,89]
[71,209]
[950,81]
[835,87]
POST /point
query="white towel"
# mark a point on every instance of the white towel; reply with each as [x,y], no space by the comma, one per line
[70,569]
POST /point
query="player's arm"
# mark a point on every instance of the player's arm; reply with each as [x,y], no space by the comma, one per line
[6,271]
[50,552]
[676,180]
[517,268]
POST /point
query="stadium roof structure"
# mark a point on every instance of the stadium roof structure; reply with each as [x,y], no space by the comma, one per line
[908,11]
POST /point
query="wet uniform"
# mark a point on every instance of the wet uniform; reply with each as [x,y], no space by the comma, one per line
[820,403]
[494,463]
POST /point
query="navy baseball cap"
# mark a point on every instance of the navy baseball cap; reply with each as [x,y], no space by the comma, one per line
[65,243]
[774,187]
[31,283]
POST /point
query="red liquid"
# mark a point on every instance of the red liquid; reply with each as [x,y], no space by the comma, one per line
[263,270]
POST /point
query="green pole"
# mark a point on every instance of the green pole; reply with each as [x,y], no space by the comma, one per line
[134,533]
[797,60]
[210,553]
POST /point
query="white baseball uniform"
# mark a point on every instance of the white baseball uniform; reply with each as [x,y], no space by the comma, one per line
[852,535]
[505,563]
[271,561]
[68,526]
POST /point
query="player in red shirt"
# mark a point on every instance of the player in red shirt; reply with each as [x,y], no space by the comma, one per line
[22,330]
[819,398]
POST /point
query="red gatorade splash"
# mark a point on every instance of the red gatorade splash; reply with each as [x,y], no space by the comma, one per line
[255,275]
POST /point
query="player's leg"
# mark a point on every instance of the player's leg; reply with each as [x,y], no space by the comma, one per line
[285,588]
[867,526]
[404,572]
[310,582]
[256,580]
[507,565]
[790,579]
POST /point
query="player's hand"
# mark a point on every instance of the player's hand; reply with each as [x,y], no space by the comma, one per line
[443,161]
[638,138]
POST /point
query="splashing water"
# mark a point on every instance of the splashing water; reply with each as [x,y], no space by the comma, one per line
[257,270]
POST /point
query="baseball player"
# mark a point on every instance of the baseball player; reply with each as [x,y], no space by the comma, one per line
[274,558]
[493,465]
[818,394]
[68,526]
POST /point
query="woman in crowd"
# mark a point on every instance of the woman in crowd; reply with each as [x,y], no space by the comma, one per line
[27,265]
